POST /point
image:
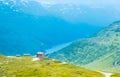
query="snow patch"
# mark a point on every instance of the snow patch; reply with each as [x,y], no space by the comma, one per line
[36,59]
[64,62]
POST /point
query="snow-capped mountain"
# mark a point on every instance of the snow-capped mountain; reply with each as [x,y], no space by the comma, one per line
[25,6]
[97,13]
[86,11]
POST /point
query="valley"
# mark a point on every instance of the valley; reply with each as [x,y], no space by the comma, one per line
[59,38]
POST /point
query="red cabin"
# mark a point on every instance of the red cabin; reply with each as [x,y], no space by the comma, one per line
[40,55]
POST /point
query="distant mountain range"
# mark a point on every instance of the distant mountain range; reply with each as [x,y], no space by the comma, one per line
[100,52]
[22,30]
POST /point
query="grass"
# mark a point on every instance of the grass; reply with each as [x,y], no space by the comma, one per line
[116,75]
[105,63]
[25,67]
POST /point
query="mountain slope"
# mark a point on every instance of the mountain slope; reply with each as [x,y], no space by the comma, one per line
[107,63]
[24,66]
[85,51]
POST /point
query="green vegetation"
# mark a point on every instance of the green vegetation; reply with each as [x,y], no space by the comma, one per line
[100,52]
[85,51]
[106,63]
[25,67]
[3,58]
[116,75]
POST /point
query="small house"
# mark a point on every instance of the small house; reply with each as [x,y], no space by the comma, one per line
[40,55]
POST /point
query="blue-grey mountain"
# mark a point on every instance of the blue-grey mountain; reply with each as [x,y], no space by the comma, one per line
[23,30]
